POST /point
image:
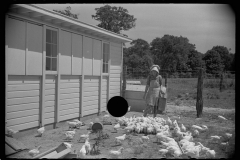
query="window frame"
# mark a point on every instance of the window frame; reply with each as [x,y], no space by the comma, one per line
[104,63]
[57,55]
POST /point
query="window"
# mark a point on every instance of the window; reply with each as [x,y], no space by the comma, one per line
[51,50]
[106,54]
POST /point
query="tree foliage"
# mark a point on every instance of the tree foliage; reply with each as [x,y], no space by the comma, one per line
[67,12]
[225,56]
[195,60]
[115,19]
[213,62]
[171,52]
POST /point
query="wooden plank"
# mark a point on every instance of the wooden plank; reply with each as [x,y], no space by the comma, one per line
[15,33]
[23,100]
[49,115]
[89,98]
[113,84]
[68,96]
[115,79]
[50,98]
[68,111]
[70,90]
[88,89]
[20,120]
[82,88]
[49,109]
[137,95]
[69,116]
[77,54]
[89,112]
[22,107]
[115,67]
[66,53]
[70,85]
[136,105]
[49,120]
[20,94]
[49,155]
[114,91]
[49,103]
[23,87]
[91,93]
[42,101]
[115,71]
[121,74]
[91,78]
[115,75]
[50,79]
[34,48]
[69,101]
[50,86]
[90,107]
[61,154]
[113,44]
[25,126]
[9,150]
[15,144]
[41,155]
[69,106]
[90,84]
[19,79]
[88,103]
[70,79]
[50,92]
[18,114]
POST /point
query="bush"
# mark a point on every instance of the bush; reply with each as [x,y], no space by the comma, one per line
[188,75]
[175,74]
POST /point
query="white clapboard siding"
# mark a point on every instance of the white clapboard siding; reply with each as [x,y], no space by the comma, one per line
[23,126]
[26,119]
[104,93]
[22,107]
[13,115]
[23,79]
[89,112]
[23,87]
[70,89]
[90,107]
[21,94]
[50,99]
[89,98]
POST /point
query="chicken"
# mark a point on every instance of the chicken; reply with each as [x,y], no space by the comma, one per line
[119,139]
[11,132]
[175,124]
[195,133]
[216,138]
[170,143]
[71,132]
[87,146]
[183,128]
[69,136]
[129,108]
[72,124]
[197,127]
[169,122]
[40,131]
[193,151]
[228,136]
[116,127]
[83,151]
[34,152]
[204,127]
[163,151]
[222,118]
[118,152]
[223,145]
[210,154]
[188,137]
[174,150]
[79,123]
[145,138]
[68,145]
[84,136]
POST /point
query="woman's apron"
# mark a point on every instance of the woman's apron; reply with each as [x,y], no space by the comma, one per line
[153,93]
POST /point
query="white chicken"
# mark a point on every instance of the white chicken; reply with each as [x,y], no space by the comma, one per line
[215,138]
[204,127]
[210,154]
[222,118]
[40,131]
[183,128]
[84,136]
[68,145]
[193,151]
[195,133]
[163,151]
[83,151]
[129,108]
[197,127]
[145,138]
[119,139]
[116,127]
[79,123]
[11,132]
[72,124]
[35,151]
[228,136]
[174,150]
[71,132]
[69,136]
[87,146]
[169,122]
[118,152]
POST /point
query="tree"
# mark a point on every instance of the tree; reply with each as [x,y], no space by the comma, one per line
[67,12]
[213,62]
[171,52]
[195,60]
[115,19]
[225,56]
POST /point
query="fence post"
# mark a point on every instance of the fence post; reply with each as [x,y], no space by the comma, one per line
[199,104]
[166,79]
[221,81]
[124,81]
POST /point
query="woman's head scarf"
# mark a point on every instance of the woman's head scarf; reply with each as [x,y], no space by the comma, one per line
[155,68]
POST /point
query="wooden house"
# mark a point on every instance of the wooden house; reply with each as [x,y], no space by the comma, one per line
[57,68]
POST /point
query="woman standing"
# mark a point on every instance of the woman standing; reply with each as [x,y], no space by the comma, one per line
[154,82]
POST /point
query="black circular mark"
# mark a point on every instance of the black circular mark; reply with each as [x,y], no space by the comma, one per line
[117,106]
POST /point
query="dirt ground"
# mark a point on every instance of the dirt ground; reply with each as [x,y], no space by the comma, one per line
[135,148]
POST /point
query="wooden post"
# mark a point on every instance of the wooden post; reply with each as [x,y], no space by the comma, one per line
[166,79]
[221,81]
[124,81]
[199,104]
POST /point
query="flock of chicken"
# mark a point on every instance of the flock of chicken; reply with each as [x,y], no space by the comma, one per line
[175,139]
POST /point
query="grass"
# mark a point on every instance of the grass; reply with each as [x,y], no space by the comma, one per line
[184,91]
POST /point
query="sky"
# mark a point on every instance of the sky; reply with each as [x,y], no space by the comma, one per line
[205,25]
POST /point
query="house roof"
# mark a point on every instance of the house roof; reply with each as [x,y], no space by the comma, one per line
[39,13]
